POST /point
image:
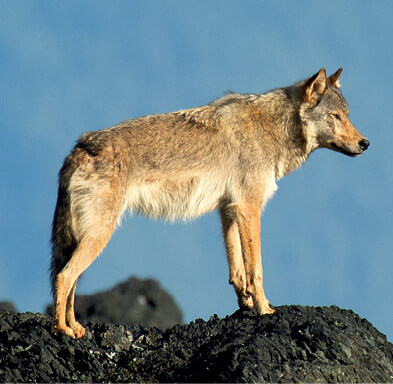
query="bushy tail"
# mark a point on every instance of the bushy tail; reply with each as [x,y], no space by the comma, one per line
[63,239]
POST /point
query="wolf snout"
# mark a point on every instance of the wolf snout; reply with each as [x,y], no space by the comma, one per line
[364,144]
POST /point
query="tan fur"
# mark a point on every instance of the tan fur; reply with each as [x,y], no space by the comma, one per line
[227,155]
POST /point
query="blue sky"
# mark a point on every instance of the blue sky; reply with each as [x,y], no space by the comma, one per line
[70,67]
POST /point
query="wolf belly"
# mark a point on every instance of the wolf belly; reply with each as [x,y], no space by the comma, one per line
[172,199]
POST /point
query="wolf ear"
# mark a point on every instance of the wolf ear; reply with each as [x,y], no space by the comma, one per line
[334,80]
[315,87]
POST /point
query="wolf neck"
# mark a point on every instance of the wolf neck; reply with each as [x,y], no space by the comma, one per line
[291,146]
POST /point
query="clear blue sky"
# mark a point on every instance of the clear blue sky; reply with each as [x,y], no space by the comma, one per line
[67,67]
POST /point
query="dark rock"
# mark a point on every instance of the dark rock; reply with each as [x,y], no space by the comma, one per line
[296,344]
[6,306]
[132,302]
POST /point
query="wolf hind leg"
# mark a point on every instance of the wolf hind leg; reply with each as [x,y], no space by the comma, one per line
[86,252]
[78,329]
[94,216]
[237,275]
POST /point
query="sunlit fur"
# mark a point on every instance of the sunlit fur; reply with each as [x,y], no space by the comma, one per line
[227,155]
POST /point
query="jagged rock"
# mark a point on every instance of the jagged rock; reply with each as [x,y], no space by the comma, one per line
[133,302]
[6,306]
[296,344]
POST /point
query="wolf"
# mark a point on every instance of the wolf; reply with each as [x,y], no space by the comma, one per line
[227,155]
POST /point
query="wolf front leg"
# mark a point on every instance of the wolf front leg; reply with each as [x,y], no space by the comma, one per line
[237,275]
[247,218]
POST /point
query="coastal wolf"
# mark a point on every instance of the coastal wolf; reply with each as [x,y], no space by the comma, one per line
[227,156]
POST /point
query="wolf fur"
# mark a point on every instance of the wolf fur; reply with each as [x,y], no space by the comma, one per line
[227,155]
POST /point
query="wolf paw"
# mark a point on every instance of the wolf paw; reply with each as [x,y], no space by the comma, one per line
[266,309]
[65,330]
[78,329]
[246,302]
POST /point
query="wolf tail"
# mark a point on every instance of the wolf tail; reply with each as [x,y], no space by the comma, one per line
[63,237]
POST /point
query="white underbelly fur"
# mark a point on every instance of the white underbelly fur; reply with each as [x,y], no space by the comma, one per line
[175,200]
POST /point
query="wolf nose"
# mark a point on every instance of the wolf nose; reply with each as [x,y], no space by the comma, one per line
[363,144]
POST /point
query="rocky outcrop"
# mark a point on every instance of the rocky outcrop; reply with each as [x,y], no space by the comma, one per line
[6,306]
[133,302]
[296,344]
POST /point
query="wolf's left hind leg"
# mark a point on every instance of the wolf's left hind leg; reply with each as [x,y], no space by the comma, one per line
[77,327]
[86,252]
[237,275]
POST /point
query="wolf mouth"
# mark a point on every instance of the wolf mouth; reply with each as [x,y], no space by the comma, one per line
[344,151]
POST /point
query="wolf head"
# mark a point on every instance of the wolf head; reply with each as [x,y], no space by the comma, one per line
[325,113]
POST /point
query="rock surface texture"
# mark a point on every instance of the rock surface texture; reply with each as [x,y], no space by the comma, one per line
[296,344]
[133,302]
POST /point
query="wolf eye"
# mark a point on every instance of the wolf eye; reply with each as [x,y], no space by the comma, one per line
[336,116]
